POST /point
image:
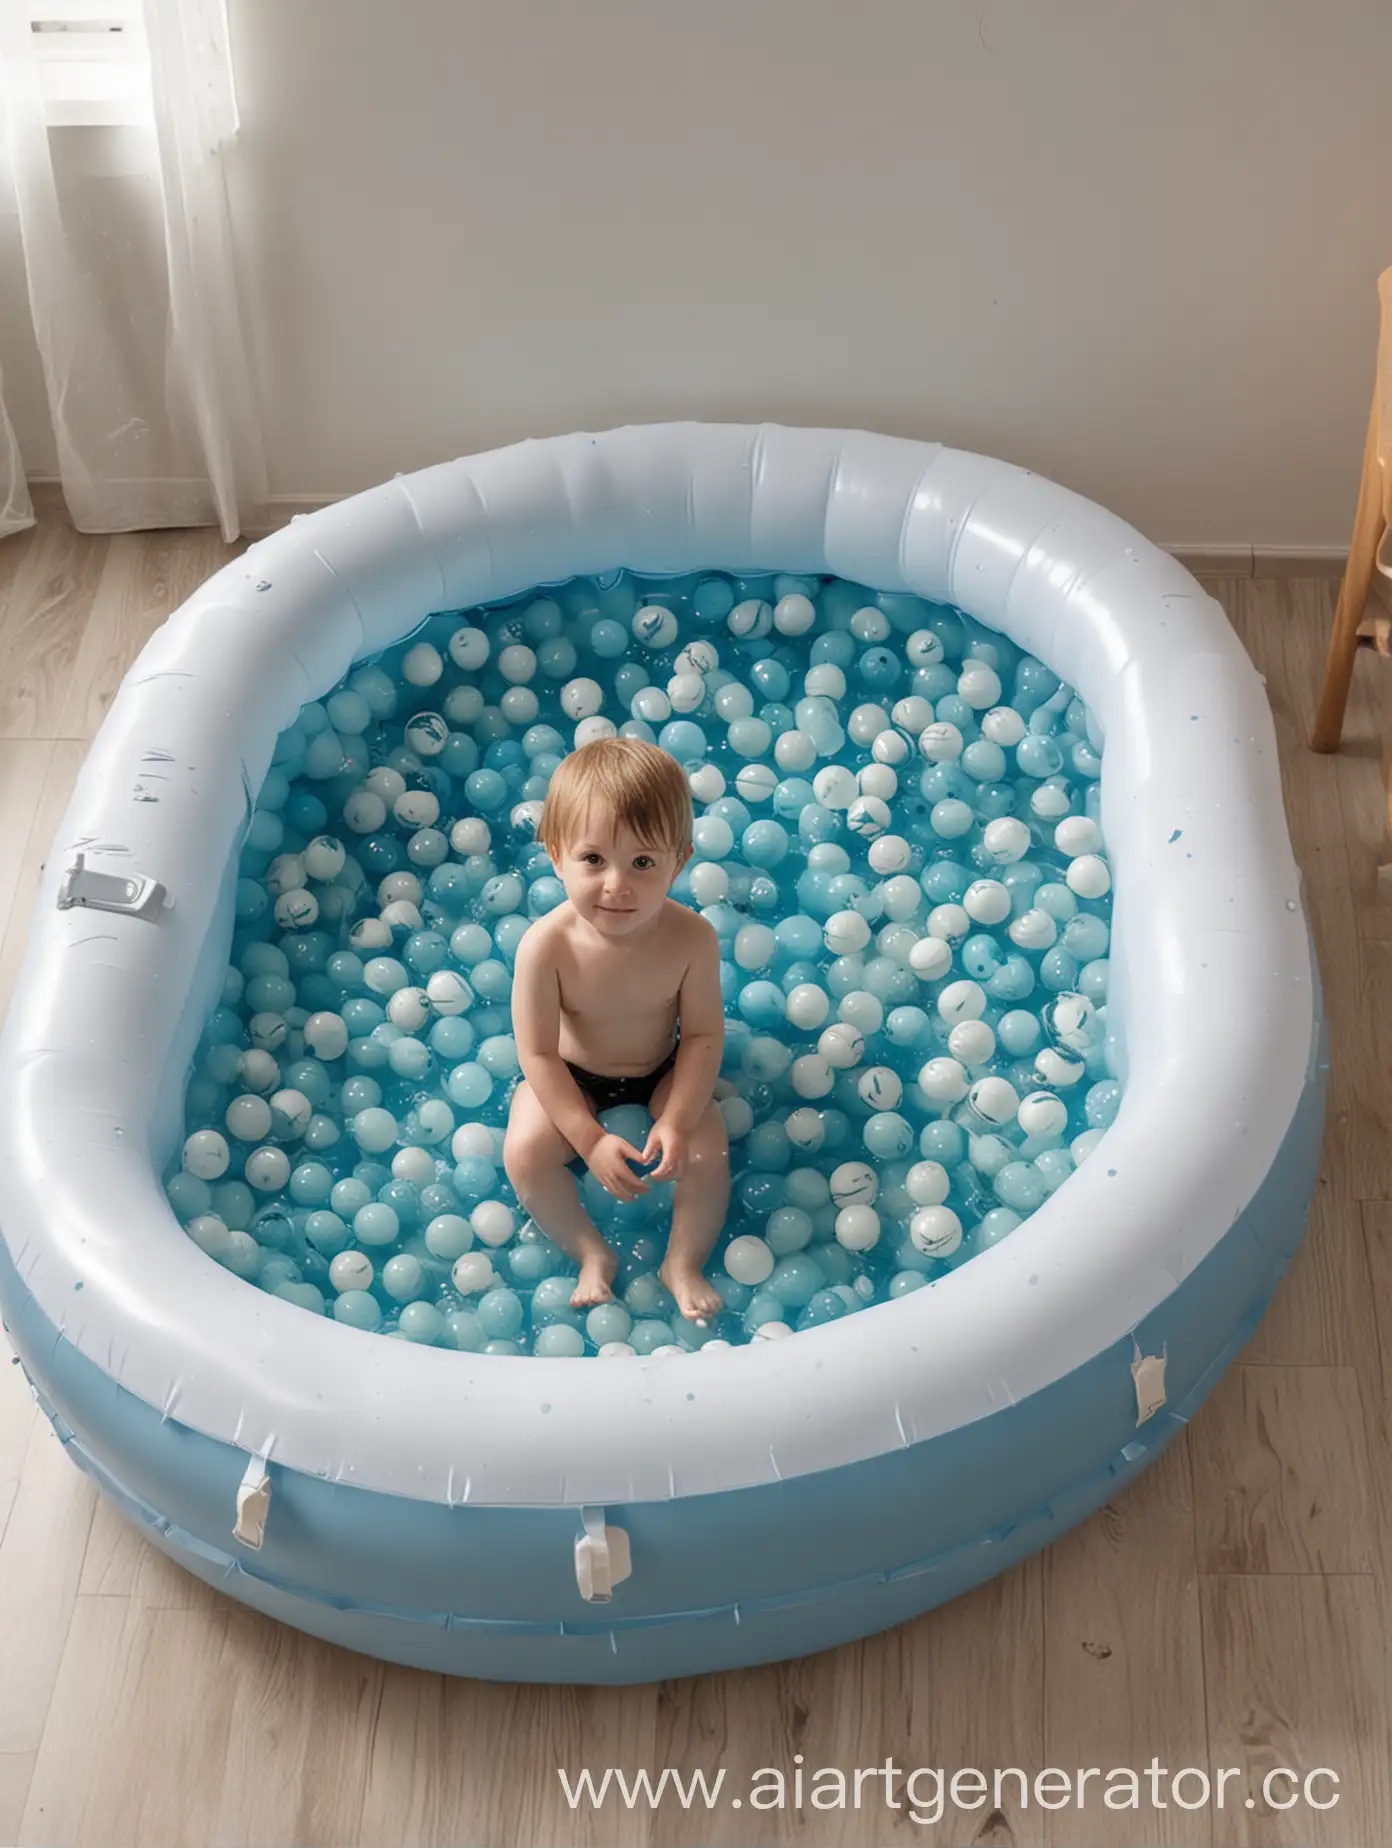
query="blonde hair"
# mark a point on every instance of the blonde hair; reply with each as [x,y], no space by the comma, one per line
[639,785]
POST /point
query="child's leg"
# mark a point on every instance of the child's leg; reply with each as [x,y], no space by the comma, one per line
[536,1154]
[700,1200]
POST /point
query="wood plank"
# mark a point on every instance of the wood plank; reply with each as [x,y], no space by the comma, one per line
[296,1762]
[1322,1313]
[16,1769]
[423,1789]
[120,1563]
[136,1740]
[24,764]
[1124,1650]
[40,1562]
[147,576]
[1294,1677]
[17,1414]
[42,620]
[1281,1473]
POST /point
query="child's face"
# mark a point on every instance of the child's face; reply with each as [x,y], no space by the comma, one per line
[616,881]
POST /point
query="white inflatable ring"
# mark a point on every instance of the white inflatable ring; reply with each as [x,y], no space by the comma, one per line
[893,1457]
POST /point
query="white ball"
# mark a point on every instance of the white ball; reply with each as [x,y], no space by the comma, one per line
[861,1009]
[1088,876]
[928,1183]
[880,1088]
[1033,930]
[913,714]
[471,835]
[979,685]
[995,1099]
[870,624]
[950,922]
[986,901]
[1004,726]
[930,959]
[891,747]
[866,723]
[754,946]
[772,1331]
[422,666]
[1077,834]
[902,898]
[415,1165]
[468,648]
[591,730]
[936,1231]
[752,618]
[867,817]
[807,1006]
[1082,1146]
[1048,802]
[811,1075]
[651,704]
[654,626]
[972,1041]
[858,1228]
[825,679]
[794,751]
[877,780]
[706,783]
[267,1169]
[835,787]
[324,857]
[842,1045]
[756,782]
[417,808]
[401,911]
[1042,1114]
[845,932]
[943,1081]
[941,742]
[748,1260]
[686,692]
[473,1273]
[351,1270]
[1055,1069]
[286,873]
[923,649]
[248,1118]
[794,615]
[961,1001]
[290,1112]
[890,853]
[386,782]
[493,1222]
[698,657]
[616,1350]
[519,706]
[709,882]
[517,663]
[409,1009]
[258,1070]
[364,811]
[1006,839]
[805,1128]
[527,816]
[206,1155]
[738,1117]
[854,1183]
[472,1139]
[582,698]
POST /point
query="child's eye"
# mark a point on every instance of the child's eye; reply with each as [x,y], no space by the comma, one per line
[643,862]
[591,859]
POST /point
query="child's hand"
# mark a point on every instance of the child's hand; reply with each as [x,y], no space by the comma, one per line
[608,1162]
[666,1140]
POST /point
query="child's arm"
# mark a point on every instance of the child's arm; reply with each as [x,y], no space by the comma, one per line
[701,1015]
[536,1026]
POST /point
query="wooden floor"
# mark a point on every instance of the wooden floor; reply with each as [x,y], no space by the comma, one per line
[1229,1609]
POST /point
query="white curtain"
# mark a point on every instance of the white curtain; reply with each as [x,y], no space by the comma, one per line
[132,287]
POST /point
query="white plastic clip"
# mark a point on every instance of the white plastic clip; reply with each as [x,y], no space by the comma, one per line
[135,895]
[1148,1372]
[253,1504]
[602,1558]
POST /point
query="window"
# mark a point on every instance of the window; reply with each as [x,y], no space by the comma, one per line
[92,61]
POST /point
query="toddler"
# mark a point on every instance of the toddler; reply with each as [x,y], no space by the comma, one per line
[616,1000]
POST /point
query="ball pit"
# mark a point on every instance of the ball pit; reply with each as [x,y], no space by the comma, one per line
[518,1517]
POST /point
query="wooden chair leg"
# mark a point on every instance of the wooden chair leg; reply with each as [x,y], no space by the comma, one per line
[1368,528]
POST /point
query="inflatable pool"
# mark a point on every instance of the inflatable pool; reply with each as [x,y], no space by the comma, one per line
[530,1519]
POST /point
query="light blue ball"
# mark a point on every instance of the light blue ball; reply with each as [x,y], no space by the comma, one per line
[500,1314]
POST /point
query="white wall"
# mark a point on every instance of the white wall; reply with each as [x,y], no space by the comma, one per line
[1130,245]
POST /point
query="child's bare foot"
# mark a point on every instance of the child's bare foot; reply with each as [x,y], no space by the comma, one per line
[597,1269]
[698,1300]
